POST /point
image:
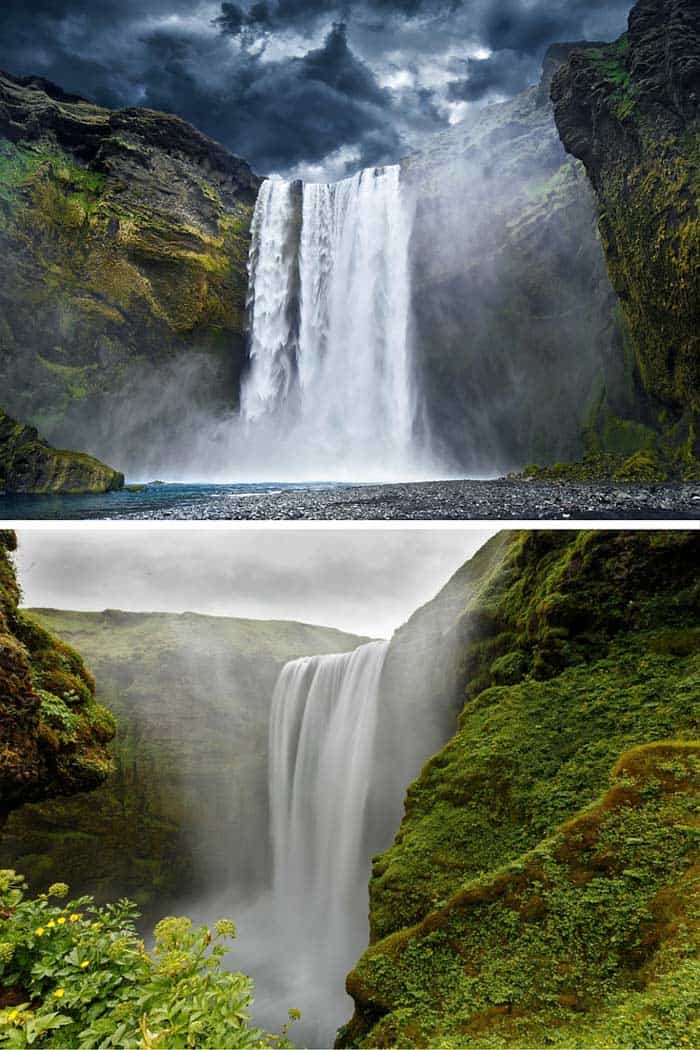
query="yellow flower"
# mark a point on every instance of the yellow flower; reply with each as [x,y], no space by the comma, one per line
[39,931]
[13,1016]
[51,924]
[59,993]
[84,964]
[61,920]
[75,917]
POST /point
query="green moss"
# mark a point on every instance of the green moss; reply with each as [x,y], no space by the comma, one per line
[642,466]
[612,64]
[30,464]
[546,950]
[52,732]
[506,913]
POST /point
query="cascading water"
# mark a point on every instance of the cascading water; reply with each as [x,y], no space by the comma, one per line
[331,374]
[322,757]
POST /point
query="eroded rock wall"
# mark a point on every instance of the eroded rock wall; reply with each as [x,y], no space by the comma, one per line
[123,251]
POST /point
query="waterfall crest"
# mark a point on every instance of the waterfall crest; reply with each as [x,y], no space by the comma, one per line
[322,739]
[331,370]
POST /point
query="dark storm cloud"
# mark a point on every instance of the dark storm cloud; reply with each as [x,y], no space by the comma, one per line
[503,73]
[364,581]
[306,86]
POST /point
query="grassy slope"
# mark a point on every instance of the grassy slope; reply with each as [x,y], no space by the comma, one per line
[497,917]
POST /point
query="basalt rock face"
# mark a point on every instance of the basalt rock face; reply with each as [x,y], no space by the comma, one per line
[53,734]
[123,251]
[542,888]
[631,112]
[516,328]
[29,464]
[183,812]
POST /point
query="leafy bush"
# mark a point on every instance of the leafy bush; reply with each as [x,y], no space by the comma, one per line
[80,976]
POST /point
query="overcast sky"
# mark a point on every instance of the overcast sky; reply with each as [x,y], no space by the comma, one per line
[303,87]
[365,581]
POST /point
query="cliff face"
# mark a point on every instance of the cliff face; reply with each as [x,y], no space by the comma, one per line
[123,251]
[517,331]
[53,735]
[29,464]
[631,112]
[184,809]
[540,888]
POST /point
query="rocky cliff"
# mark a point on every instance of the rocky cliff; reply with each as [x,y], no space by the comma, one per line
[631,112]
[123,251]
[53,734]
[541,889]
[517,329]
[182,813]
[29,464]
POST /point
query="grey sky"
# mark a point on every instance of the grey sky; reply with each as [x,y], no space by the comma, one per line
[365,581]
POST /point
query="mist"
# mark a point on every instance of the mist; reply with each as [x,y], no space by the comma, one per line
[347,735]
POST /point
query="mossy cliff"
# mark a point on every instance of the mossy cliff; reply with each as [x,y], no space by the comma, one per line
[30,464]
[631,112]
[53,734]
[123,250]
[183,810]
[543,886]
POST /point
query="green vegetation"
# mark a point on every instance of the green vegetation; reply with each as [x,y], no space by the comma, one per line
[612,64]
[30,464]
[77,975]
[53,733]
[533,897]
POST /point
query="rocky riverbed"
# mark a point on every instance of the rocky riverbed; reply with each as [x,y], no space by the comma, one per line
[504,499]
[448,500]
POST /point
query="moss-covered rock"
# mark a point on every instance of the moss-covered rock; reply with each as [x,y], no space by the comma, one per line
[507,912]
[629,111]
[53,734]
[123,252]
[30,464]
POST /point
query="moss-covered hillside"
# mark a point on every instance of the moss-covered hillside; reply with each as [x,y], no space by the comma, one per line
[30,464]
[53,734]
[630,112]
[184,808]
[123,251]
[543,887]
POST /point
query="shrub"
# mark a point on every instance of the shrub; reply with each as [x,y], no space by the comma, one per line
[81,977]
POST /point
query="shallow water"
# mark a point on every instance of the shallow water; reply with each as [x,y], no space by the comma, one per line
[153,501]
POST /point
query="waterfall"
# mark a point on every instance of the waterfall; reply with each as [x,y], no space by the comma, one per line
[331,373]
[322,738]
